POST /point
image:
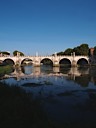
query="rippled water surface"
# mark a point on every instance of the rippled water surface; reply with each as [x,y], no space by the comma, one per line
[66,94]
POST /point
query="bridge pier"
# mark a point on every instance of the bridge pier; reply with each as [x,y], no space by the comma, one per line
[36,70]
[36,64]
[56,65]
[74,63]
[56,69]
[55,61]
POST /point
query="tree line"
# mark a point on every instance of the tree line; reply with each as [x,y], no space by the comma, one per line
[15,53]
[83,49]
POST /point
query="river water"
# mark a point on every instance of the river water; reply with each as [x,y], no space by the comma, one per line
[66,94]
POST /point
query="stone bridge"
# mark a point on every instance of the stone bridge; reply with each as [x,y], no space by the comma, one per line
[37,60]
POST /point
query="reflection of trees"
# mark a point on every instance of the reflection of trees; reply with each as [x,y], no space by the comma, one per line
[93,79]
[46,69]
[83,80]
[84,70]
[92,73]
[81,76]
[65,70]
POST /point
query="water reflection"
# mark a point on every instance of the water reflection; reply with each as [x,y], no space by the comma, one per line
[27,70]
[82,80]
[81,76]
[46,69]
[54,70]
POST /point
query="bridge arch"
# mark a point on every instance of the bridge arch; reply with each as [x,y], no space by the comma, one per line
[46,65]
[26,61]
[46,61]
[9,61]
[82,62]
[65,62]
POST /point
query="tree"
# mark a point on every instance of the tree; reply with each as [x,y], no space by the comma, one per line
[5,53]
[60,53]
[15,53]
[84,49]
[77,50]
[68,51]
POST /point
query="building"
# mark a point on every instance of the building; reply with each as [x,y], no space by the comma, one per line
[91,51]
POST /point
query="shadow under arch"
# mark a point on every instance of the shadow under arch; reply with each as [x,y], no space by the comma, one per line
[46,61]
[65,62]
[82,62]
[26,61]
[9,61]
[46,65]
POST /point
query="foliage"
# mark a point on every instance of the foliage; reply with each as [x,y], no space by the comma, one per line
[15,53]
[68,51]
[5,53]
[77,50]
[83,49]
[60,53]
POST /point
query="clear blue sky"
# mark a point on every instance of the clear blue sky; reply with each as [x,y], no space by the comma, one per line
[46,26]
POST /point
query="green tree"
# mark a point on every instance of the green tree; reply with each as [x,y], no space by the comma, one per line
[15,53]
[68,51]
[84,49]
[77,50]
[5,53]
[60,53]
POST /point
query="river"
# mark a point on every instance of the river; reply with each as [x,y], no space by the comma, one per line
[66,94]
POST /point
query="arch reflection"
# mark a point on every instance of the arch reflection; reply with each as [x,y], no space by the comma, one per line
[81,76]
[30,70]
